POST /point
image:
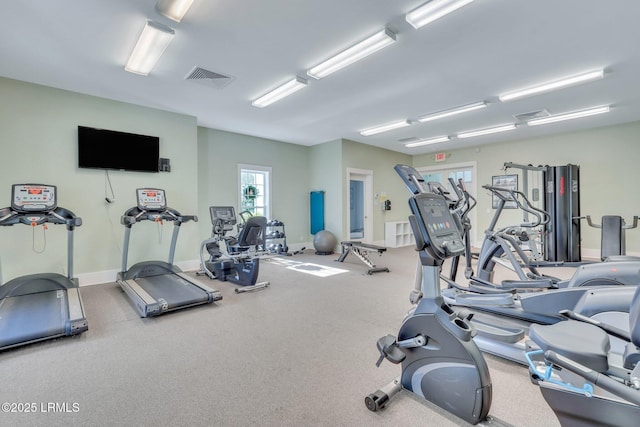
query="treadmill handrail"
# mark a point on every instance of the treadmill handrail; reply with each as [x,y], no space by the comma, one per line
[135,214]
[59,215]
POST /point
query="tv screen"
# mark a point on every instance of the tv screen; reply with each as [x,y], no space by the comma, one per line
[109,149]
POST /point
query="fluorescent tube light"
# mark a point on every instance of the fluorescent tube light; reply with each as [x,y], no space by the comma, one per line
[420,142]
[433,10]
[385,128]
[452,112]
[569,116]
[151,45]
[355,53]
[280,92]
[553,85]
[487,131]
[173,9]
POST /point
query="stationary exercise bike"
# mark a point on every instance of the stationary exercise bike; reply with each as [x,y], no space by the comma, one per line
[434,344]
[239,261]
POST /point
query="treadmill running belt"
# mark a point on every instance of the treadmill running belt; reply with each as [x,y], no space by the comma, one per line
[173,289]
[32,317]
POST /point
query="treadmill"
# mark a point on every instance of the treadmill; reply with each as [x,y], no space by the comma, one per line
[157,287]
[40,306]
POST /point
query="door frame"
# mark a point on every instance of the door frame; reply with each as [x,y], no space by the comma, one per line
[366,176]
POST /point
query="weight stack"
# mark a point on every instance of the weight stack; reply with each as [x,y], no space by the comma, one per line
[562,202]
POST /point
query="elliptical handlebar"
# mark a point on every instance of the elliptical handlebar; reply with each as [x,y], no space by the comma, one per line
[470,201]
[412,179]
[522,202]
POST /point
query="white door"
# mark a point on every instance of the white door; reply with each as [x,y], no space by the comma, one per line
[359,214]
[356,208]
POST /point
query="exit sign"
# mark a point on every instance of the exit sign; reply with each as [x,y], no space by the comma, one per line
[441,157]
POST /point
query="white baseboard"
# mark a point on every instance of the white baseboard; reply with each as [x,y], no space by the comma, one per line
[589,253]
[595,253]
[97,277]
[109,276]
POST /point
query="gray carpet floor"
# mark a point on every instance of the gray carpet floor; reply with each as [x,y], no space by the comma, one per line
[300,353]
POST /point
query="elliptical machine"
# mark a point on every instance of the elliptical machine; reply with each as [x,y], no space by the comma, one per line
[504,311]
[434,344]
[461,207]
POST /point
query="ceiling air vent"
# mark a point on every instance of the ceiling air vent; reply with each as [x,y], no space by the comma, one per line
[210,78]
[531,115]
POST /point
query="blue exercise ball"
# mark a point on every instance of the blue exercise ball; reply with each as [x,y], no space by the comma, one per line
[325,242]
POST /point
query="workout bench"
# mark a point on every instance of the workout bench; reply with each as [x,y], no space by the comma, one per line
[362,250]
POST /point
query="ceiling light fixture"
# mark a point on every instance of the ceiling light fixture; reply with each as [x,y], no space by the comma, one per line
[452,112]
[385,128]
[569,116]
[355,53]
[487,131]
[430,11]
[426,141]
[153,41]
[280,92]
[173,9]
[552,85]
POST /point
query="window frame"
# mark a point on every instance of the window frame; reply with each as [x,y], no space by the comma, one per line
[256,169]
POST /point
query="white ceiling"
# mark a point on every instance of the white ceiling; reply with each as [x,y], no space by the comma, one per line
[474,54]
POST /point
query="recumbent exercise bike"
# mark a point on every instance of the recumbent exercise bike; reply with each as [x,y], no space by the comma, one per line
[234,258]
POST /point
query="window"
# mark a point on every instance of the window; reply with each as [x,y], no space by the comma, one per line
[464,174]
[255,189]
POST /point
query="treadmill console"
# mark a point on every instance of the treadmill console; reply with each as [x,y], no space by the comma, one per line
[33,198]
[151,199]
[436,225]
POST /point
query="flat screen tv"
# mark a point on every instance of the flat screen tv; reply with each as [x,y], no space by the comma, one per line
[109,149]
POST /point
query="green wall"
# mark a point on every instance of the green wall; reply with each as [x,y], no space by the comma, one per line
[38,133]
[219,155]
[385,180]
[609,173]
[325,174]
[328,172]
